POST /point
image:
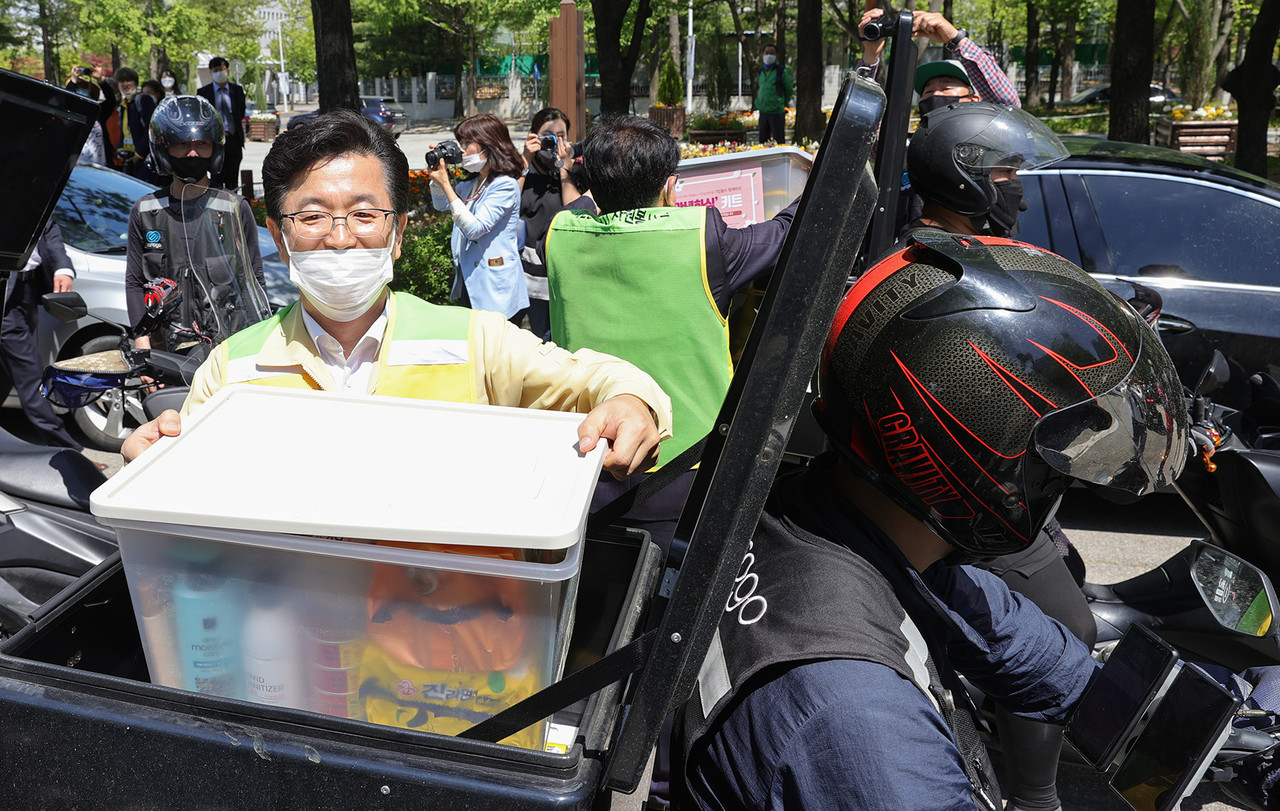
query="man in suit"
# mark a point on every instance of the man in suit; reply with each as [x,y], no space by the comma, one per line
[48,270]
[228,99]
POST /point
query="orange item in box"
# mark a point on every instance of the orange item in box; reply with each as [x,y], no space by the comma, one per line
[439,619]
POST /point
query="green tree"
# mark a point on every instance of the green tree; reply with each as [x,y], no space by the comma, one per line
[670,84]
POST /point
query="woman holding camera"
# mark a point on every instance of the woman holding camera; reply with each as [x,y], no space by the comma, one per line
[486,217]
[548,185]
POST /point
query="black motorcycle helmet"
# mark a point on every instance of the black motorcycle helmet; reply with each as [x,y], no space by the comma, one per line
[955,149]
[971,378]
[185,118]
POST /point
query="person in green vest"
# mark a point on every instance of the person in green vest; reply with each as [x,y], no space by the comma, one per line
[776,86]
[636,276]
[336,193]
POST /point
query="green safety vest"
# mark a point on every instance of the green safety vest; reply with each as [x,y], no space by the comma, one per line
[428,355]
[634,284]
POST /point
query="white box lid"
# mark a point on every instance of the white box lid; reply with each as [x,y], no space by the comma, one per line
[268,459]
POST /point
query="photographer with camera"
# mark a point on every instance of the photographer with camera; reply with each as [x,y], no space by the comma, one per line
[486,214]
[551,181]
[970,74]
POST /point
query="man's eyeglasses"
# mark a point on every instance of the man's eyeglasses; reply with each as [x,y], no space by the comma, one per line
[364,222]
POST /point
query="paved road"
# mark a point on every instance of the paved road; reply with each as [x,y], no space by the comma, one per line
[415,142]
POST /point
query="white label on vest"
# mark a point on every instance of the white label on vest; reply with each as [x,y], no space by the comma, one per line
[427,352]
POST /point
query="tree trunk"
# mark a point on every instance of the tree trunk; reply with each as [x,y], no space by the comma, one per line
[1131,70]
[809,121]
[1222,50]
[673,40]
[749,51]
[473,86]
[1055,70]
[459,85]
[1069,61]
[780,30]
[339,86]
[1253,84]
[1032,97]
[47,47]
[616,63]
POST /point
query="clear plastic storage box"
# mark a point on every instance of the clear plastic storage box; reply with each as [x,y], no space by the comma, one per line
[403,562]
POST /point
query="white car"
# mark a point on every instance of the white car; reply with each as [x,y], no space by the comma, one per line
[93,213]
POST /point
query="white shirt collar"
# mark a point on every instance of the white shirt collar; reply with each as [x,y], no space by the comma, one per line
[351,373]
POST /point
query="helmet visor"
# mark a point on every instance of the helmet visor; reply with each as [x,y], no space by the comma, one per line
[1015,139]
[1134,438]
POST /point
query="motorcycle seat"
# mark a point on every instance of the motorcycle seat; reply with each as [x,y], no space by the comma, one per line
[61,477]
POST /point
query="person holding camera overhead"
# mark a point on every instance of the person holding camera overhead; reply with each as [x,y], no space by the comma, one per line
[549,184]
[486,216]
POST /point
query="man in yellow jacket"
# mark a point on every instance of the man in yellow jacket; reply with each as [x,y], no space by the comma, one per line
[336,191]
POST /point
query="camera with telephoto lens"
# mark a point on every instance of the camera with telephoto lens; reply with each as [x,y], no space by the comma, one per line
[447,151]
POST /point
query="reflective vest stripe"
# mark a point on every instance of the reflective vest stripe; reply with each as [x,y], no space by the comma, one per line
[221,204]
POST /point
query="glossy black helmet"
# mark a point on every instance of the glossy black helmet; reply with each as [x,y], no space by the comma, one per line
[185,118]
[956,148]
[971,378]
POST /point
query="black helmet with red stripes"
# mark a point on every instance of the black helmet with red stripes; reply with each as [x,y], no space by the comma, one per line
[972,378]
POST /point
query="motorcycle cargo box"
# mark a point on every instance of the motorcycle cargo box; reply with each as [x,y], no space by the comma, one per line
[404,562]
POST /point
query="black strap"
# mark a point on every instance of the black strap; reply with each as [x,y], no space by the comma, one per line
[977,764]
[595,676]
[652,483]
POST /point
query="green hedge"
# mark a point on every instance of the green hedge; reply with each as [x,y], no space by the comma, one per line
[425,266]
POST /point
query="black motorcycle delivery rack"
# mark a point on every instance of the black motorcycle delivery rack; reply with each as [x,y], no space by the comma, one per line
[76,733]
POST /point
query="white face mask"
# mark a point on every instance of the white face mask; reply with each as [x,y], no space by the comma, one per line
[166,81]
[220,76]
[474,163]
[342,285]
[769,59]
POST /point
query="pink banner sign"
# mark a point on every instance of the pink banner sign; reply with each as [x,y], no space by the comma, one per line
[738,193]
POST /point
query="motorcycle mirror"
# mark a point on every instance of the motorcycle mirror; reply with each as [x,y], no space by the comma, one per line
[66,307]
[1147,303]
[1238,593]
[1217,373]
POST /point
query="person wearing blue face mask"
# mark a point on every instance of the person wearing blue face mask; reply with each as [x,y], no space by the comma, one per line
[337,195]
[486,218]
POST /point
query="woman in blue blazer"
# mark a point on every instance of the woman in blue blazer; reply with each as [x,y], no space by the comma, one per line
[486,217]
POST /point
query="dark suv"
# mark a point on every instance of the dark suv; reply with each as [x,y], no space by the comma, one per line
[1201,234]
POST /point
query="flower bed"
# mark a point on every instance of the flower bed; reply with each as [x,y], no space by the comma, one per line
[731,147]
